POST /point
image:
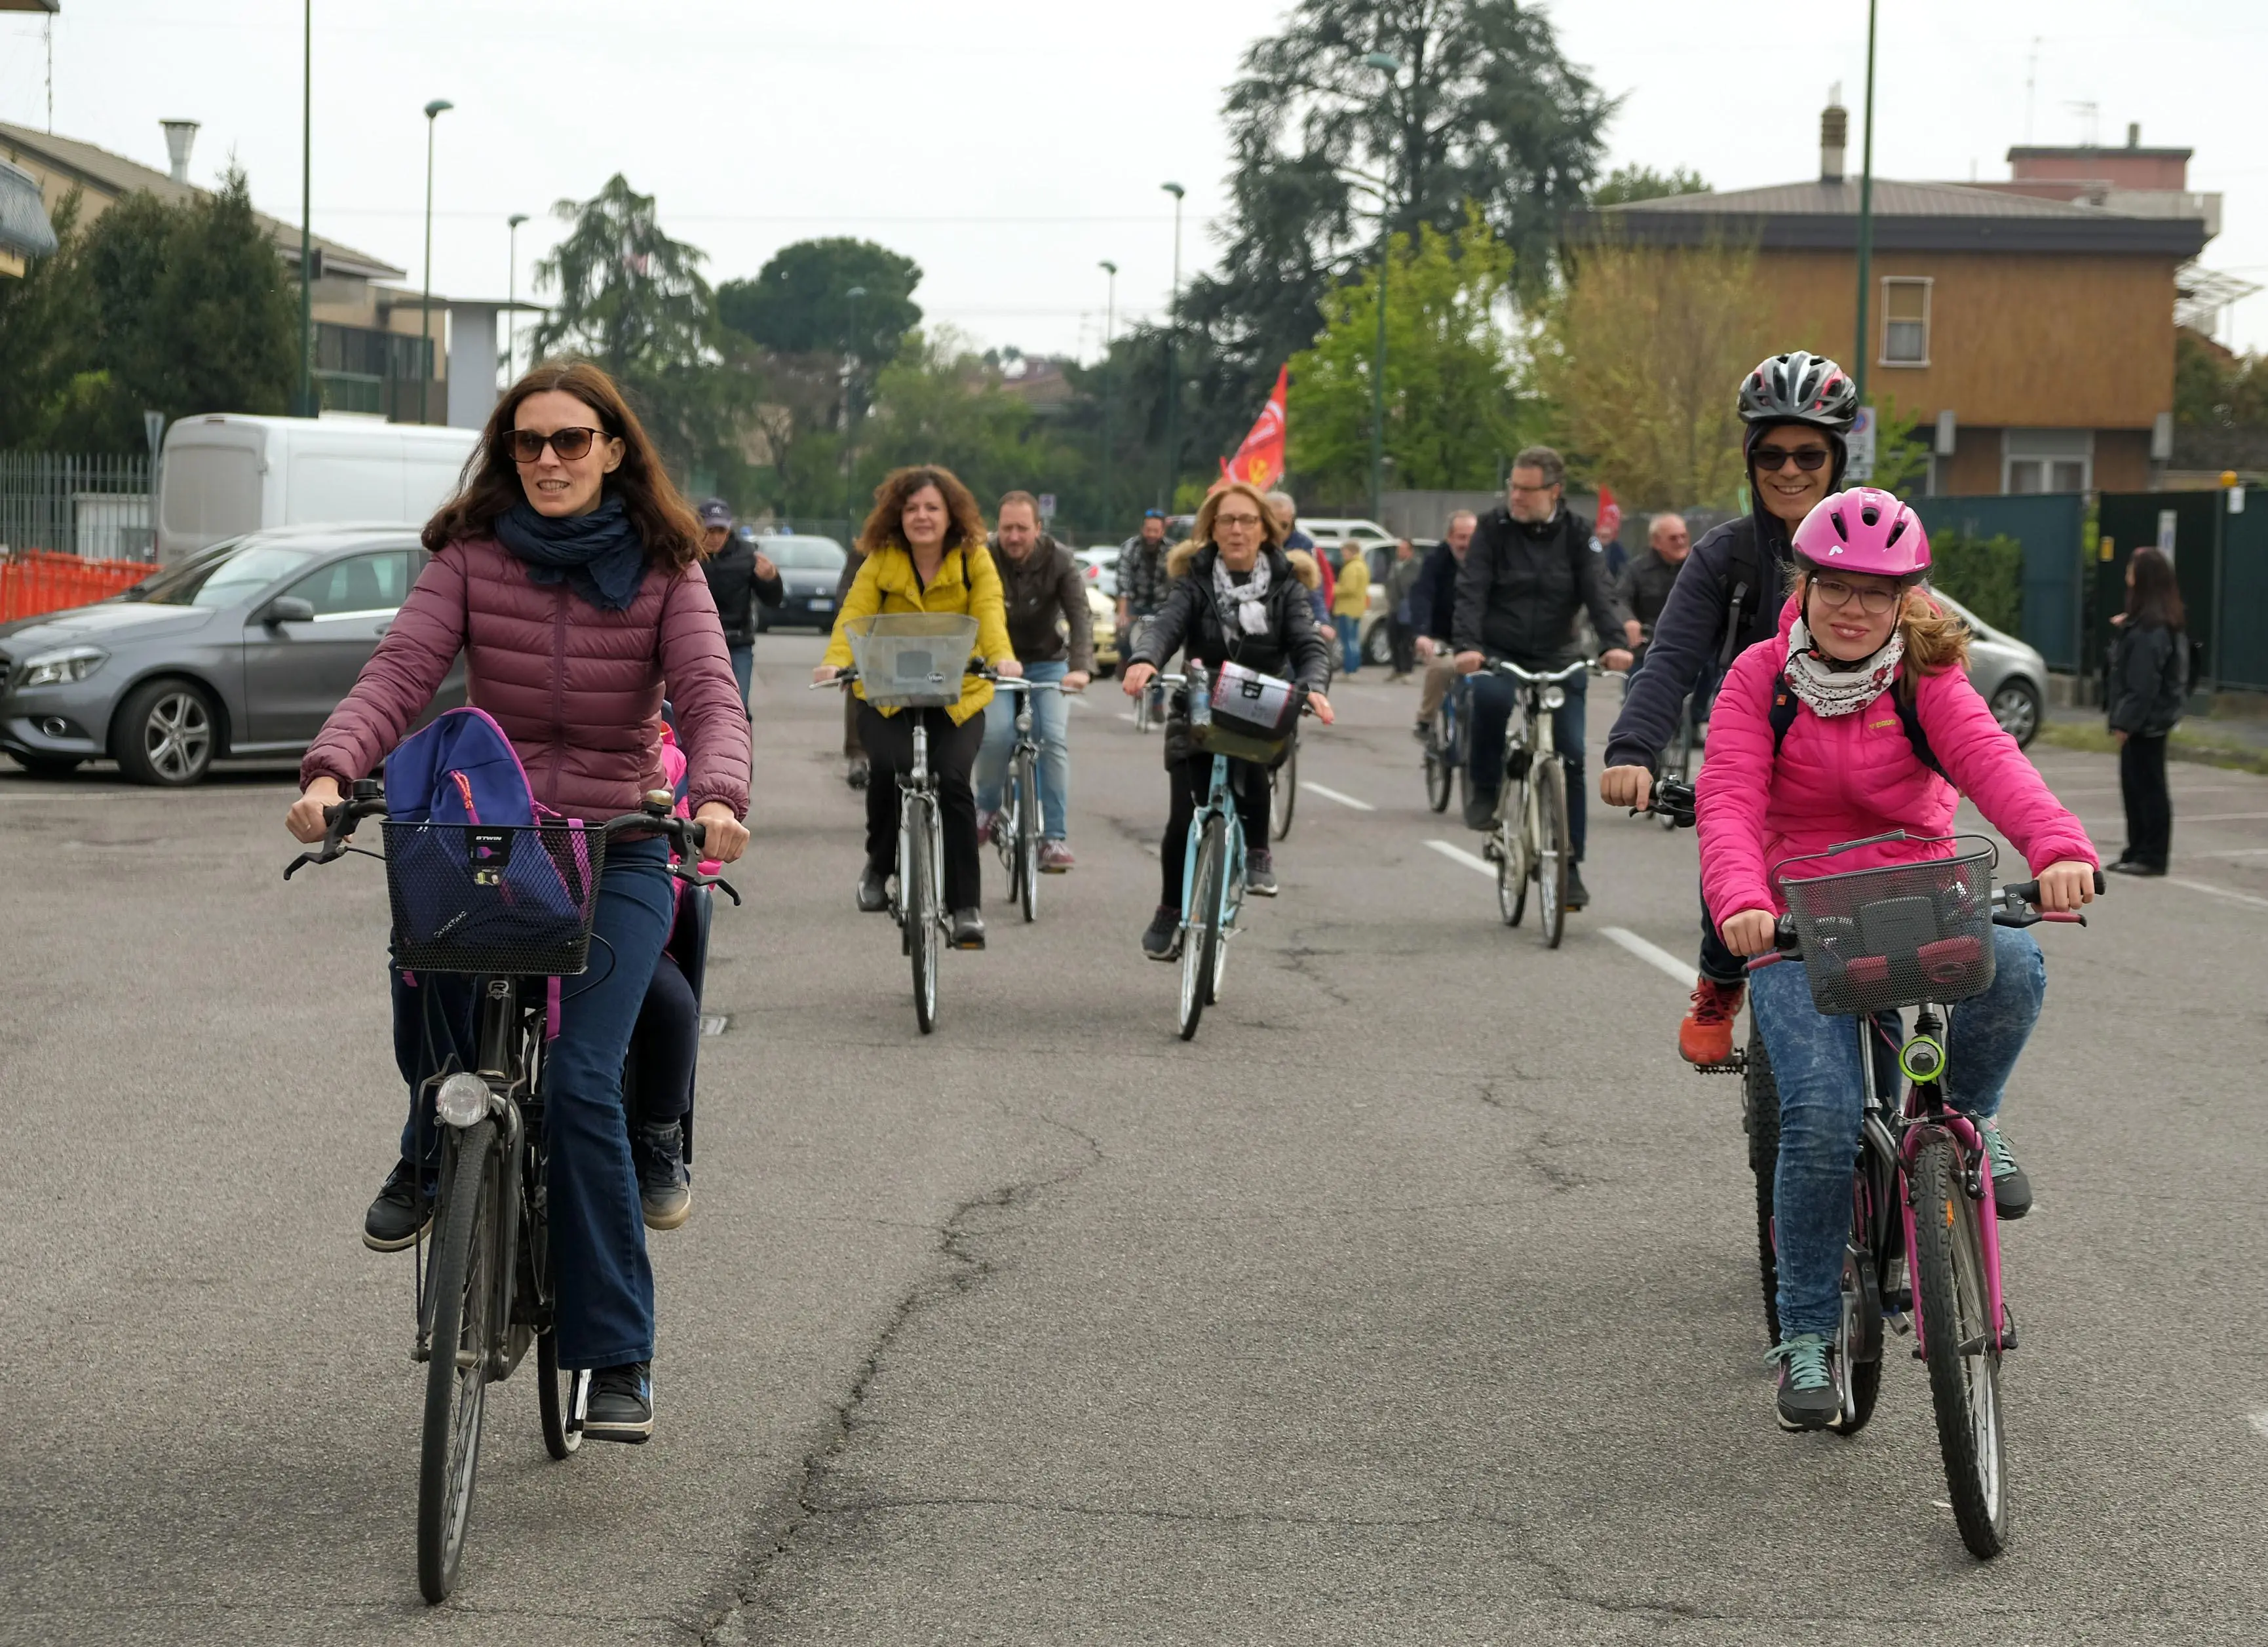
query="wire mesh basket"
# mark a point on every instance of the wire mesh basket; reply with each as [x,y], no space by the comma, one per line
[911,660]
[1236,713]
[1877,940]
[478,898]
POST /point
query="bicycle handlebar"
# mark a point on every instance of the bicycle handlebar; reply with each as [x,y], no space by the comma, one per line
[1505,666]
[1673,801]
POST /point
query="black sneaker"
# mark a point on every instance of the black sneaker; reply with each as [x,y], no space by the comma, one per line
[967,929]
[1162,939]
[1423,732]
[620,1407]
[873,890]
[1807,1382]
[400,1215]
[1578,894]
[665,1182]
[854,774]
[1260,875]
[1480,808]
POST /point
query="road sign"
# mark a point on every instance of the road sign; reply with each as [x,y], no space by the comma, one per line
[1047,506]
[1861,443]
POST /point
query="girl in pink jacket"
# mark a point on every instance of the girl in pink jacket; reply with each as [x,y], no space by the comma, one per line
[1864,661]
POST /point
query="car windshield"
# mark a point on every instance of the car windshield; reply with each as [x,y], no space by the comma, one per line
[806,554]
[221,580]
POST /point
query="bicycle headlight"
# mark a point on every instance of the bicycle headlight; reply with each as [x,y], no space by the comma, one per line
[462,1100]
[61,668]
[1554,696]
[1923,1058]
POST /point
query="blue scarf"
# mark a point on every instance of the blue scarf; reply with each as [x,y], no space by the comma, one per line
[600,554]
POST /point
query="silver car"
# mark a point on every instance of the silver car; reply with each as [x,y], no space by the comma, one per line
[2007,674]
[242,650]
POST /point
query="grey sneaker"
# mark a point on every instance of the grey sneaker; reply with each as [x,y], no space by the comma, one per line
[1260,874]
[1807,1382]
[665,1182]
[1480,808]
[2012,1191]
[1162,939]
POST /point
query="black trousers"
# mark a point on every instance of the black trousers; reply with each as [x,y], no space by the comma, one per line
[1402,644]
[2149,808]
[667,1037]
[1718,965]
[889,743]
[1191,781]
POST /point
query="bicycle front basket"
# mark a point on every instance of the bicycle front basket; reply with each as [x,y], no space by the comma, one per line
[477,898]
[911,660]
[1877,940]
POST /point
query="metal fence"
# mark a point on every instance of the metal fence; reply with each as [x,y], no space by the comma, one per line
[101,507]
[2049,526]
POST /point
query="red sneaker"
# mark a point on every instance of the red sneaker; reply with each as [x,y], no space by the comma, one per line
[1705,1037]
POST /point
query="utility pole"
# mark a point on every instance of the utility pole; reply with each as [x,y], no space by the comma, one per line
[1110,325]
[1865,216]
[434,110]
[1387,64]
[308,407]
[1173,366]
[512,297]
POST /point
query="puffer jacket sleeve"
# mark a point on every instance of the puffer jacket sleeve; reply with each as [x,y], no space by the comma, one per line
[862,599]
[698,673]
[988,606]
[1985,765]
[412,660]
[1736,787]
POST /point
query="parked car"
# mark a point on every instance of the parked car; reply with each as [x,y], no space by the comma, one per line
[2008,675]
[242,650]
[1099,565]
[228,473]
[809,569]
[1103,611]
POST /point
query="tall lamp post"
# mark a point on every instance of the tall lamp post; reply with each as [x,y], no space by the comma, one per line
[434,110]
[1110,325]
[307,404]
[511,296]
[1173,366]
[1389,65]
[855,297]
[1865,212]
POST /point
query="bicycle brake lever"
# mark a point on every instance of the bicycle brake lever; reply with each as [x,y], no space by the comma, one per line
[694,877]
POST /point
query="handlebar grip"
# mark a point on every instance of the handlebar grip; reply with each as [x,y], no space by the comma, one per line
[1757,962]
[2027,891]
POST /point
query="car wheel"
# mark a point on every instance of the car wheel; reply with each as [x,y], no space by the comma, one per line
[48,765]
[2017,707]
[166,734]
[1378,647]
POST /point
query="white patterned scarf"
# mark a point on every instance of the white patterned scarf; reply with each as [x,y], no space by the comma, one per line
[1840,689]
[1243,599]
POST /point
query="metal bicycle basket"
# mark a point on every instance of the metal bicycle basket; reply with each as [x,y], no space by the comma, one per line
[1241,714]
[500,900]
[1877,940]
[911,660]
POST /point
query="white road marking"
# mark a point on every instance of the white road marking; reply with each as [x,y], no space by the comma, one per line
[2238,852]
[1458,854]
[1126,715]
[1652,953]
[1345,801]
[715,1024]
[2220,892]
[2259,1422]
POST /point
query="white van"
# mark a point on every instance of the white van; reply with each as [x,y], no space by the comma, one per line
[229,473]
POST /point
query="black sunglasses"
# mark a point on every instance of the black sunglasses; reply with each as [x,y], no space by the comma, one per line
[1770,459]
[526,445]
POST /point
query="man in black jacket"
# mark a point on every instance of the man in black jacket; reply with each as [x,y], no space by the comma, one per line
[1533,569]
[1727,596]
[1052,630]
[1434,603]
[740,574]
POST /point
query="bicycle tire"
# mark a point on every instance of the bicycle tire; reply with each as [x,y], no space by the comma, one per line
[1027,837]
[1511,864]
[1964,1370]
[1679,767]
[462,1278]
[1439,776]
[1284,794]
[1200,943]
[1760,1118]
[1553,861]
[914,869]
[1861,1348]
[560,1395]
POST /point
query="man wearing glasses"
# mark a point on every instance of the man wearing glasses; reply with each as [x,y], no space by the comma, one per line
[1798,408]
[1532,568]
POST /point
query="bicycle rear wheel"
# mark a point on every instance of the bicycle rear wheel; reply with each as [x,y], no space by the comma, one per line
[914,866]
[1201,944]
[1554,851]
[1284,794]
[1760,1116]
[1439,776]
[463,1284]
[1860,1364]
[1677,765]
[1513,867]
[1957,1341]
[561,1393]
[1027,836]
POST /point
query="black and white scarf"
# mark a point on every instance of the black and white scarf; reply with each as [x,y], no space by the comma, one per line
[1244,600]
[1840,689]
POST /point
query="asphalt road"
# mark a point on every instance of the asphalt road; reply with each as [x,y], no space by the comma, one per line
[1414,1301]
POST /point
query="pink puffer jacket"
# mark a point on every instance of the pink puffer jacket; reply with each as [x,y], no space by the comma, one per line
[579,691]
[1848,776]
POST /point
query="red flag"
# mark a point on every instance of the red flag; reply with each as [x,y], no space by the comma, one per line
[1260,460]
[1610,515]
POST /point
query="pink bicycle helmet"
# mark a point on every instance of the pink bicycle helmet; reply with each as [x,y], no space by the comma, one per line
[1864,530]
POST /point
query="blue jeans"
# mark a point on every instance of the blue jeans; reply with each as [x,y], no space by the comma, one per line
[1815,1060]
[1493,697]
[744,667]
[598,1232]
[1350,628]
[1051,727]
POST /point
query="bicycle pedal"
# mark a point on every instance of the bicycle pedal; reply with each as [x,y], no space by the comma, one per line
[2007,1327]
[1737,1065]
[1898,1322]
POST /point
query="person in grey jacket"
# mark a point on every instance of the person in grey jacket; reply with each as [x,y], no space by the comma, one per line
[1053,635]
[2148,678]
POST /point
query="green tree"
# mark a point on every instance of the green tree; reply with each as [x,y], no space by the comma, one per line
[2214,389]
[1627,183]
[800,303]
[48,323]
[1985,574]
[1901,454]
[1452,362]
[939,403]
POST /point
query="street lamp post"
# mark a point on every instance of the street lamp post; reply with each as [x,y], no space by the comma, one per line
[307,406]
[511,296]
[1173,366]
[434,110]
[1387,64]
[1865,212]
[855,297]
[1110,325]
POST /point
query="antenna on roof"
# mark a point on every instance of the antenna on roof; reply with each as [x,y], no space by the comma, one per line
[2090,121]
[2031,81]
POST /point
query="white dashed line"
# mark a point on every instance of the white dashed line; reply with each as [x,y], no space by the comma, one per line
[1458,854]
[2218,892]
[1652,953]
[1127,715]
[2259,1422]
[714,1024]
[1345,801]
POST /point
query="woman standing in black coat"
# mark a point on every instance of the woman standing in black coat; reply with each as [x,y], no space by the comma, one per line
[2148,680]
[1236,597]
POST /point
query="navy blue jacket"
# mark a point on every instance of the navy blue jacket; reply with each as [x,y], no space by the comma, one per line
[1433,597]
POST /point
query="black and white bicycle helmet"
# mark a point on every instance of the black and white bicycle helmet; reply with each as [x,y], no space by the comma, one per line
[1801,388]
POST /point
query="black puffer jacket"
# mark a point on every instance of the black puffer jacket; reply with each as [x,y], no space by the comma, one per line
[734,585]
[2148,680]
[1191,621]
[1522,585]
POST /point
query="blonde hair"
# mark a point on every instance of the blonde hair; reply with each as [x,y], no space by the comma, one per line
[1202,534]
[1935,639]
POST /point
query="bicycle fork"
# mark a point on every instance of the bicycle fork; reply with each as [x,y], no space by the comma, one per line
[493,1039]
[1927,1115]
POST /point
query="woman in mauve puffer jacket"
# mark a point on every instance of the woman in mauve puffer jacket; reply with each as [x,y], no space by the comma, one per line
[565,571]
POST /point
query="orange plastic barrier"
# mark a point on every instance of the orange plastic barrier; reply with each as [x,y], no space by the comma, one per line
[36,580]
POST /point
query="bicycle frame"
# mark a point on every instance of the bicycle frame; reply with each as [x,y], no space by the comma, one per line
[1220,801]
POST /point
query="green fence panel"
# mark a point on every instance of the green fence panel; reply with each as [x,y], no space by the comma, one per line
[2242,643]
[2186,522]
[2048,525]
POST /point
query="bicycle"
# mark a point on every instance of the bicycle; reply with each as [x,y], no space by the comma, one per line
[1444,750]
[486,1293]
[1284,793]
[1924,1251]
[1531,842]
[1016,827]
[1213,865]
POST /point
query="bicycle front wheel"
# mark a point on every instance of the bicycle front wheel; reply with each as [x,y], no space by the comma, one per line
[1284,794]
[463,1281]
[916,875]
[1027,836]
[1760,1115]
[1677,765]
[1957,1341]
[561,1393]
[1438,775]
[1201,944]
[1513,864]
[1554,851]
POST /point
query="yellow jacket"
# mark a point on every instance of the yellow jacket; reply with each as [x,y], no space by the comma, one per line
[1352,597]
[967,583]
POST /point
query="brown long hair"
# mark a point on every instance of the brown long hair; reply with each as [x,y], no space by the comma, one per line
[885,526]
[1936,640]
[2153,597]
[491,485]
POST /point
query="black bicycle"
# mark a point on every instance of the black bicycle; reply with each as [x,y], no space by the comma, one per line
[1444,745]
[485,1292]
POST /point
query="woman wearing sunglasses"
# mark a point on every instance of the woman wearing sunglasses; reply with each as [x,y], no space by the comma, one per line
[564,571]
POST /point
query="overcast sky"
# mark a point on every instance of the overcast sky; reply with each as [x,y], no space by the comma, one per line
[1008,145]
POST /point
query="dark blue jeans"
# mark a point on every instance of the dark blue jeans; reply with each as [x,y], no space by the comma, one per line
[1493,696]
[598,1233]
[1815,1060]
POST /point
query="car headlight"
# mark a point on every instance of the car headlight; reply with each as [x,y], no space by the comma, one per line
[60,669]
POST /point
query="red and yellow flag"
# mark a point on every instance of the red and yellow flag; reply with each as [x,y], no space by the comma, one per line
[1260,460]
